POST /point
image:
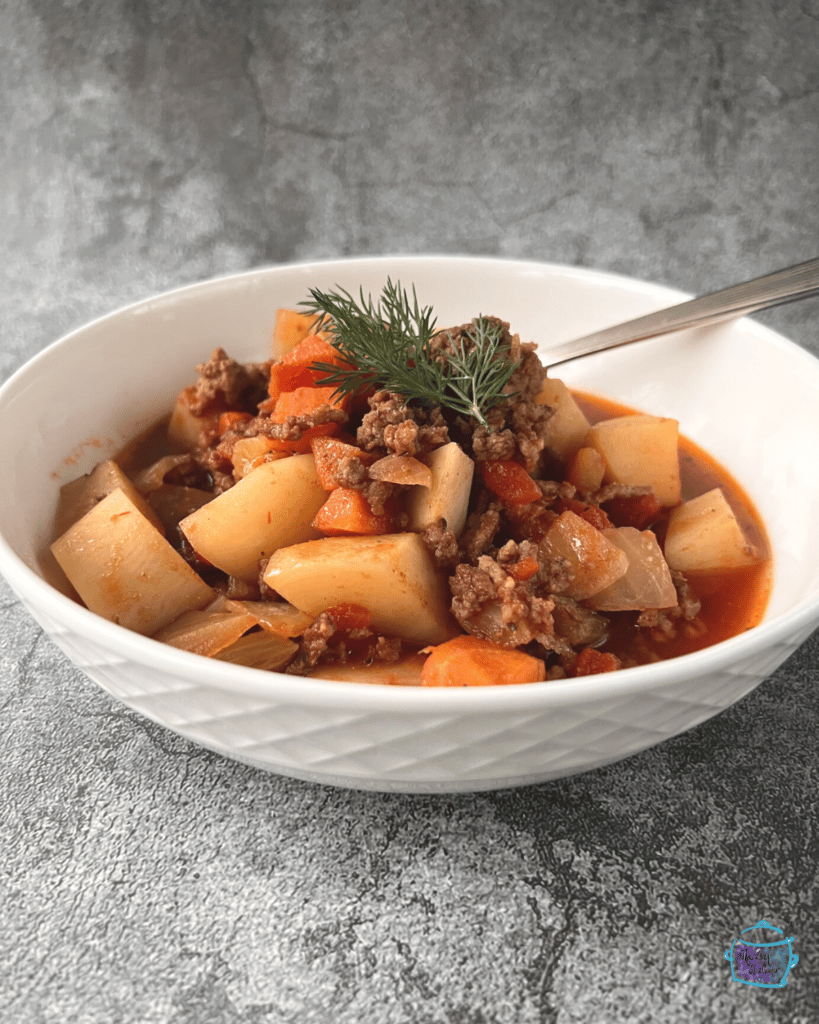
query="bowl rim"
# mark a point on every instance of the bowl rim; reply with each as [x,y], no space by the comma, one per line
[281,688]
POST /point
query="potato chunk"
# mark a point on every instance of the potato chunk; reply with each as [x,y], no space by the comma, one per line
[640,450]
[272,507]
[647,582]
[568,426]
[187,429]
[447,496]
[594,561]
[391,575]
[704,535]
[125,570]
[289,328]
[81,495]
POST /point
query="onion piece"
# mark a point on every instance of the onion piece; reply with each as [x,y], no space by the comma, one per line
[278,617]
[205,632]
[595,562]
[259,650]
[402,469]
[646,584]
[153,477]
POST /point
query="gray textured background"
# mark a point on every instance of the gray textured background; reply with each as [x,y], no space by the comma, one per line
[150,144]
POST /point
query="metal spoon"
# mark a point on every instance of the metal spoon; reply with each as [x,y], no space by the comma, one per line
[797,282]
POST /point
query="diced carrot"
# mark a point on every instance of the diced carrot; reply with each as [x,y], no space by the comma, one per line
[232,421]
[524,570]
[302,445]
[314,349]
[303,401]
[350,616]
[348,512]
[591,662]
[639,511]
[284,377]
[470,661]
[510,481]
[591,513]
[328,453]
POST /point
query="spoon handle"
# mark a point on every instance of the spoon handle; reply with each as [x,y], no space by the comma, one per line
[797,282]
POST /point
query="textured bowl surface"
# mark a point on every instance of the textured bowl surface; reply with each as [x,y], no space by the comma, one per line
[744,393]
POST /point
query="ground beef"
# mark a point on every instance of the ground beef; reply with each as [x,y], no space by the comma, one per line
[555,574]
[481,528]
[377,493]
[490,603]
[494,443]
[529,522]
[216,463]
[294,427]
[556,490]
[667,623]
[399,428]
[578,626]
[442,544]
[528,376]
[312,645]
[610,491]
[224,382]
[323,641]
[351,472]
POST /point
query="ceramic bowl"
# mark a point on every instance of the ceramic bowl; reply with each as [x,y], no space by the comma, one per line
[744,393]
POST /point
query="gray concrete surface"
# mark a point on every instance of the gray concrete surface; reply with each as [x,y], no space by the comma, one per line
[148,144]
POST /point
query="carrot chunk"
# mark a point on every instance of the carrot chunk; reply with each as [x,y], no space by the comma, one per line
[303,401]
[510,481]
[232,421]
[348,512]
[524,570]
[470,661]
[591,513]
[350,616]
[591,662]
[302,445]
[284,377]
[639,511]
[314,349]
[328,453]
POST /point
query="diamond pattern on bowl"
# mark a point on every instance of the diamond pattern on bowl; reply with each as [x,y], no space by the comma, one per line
[421,751]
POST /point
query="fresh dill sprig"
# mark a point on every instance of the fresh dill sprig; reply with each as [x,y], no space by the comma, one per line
[387,345]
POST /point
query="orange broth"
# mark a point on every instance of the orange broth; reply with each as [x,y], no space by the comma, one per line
[732,601]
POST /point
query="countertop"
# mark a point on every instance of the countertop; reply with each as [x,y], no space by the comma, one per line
[146,145]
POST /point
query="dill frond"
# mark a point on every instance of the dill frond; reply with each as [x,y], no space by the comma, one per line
[387,345]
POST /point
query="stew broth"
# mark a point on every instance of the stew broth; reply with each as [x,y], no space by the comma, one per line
[732,601]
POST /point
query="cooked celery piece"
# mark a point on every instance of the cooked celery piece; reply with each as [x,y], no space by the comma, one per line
[447,496]
[704,536]
[647,582]
[272,507]
[124,569]
[640,450]
[392,575]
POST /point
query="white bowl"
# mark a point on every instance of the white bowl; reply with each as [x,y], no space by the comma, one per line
[747,395]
